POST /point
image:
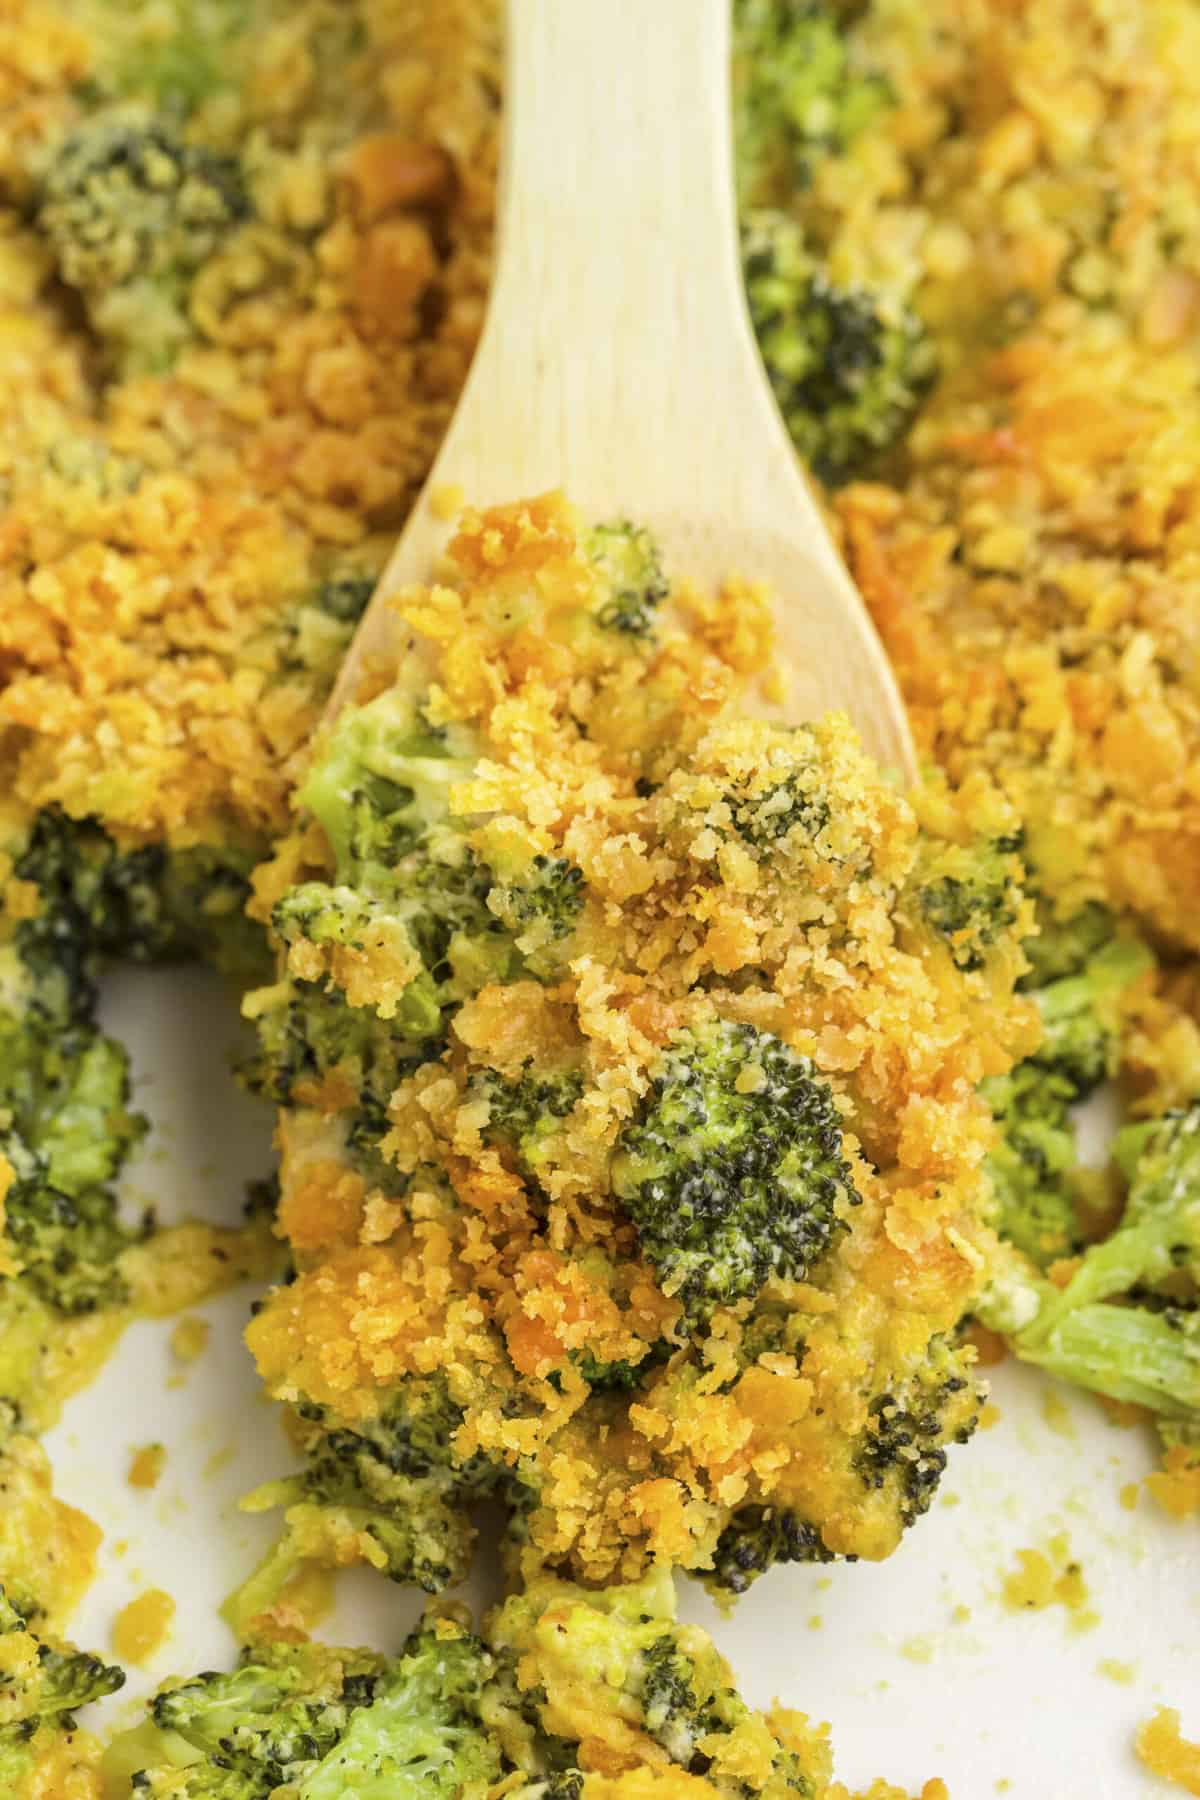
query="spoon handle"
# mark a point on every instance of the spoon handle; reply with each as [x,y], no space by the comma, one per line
[617,307]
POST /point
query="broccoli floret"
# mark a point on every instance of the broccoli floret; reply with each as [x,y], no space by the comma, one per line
[311,638]
[65,1131]
[622,1376]
[324,1723]
[758,1537]
[381,787]
[764,818]
[970,897]
[848,367]
[413,894]
[68,1248]
[664,1680]
[304,1032]
[273,1718]
[28,1329]
[900,1454]
[345,597]
[1158,1234]
[393,1480]
[131,213]
[1125,1324]
[1146,1355]
[146,905]
[421,1736]
[42,1685]
[1081,1015]
[542,903]
[178,69]
[65,1124]
[768,790]
[733,1170]
[904,1448]
[1032,1168]
[798,94]
[1065,946]
[634,586]
[525,1115]
[412,917]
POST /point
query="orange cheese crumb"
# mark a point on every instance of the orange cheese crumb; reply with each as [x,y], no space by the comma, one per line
[1165,1752]
[146,1466]
[189,1339]
[140,1627]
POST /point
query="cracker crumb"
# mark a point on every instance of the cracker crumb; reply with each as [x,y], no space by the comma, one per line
[141,1627]
[189,1339]
[146,1466]
[1166,1752]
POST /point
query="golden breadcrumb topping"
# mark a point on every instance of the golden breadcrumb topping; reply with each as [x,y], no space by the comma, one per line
[163,531]
[633,762]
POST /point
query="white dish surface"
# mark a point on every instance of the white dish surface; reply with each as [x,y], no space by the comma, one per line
[994,1701]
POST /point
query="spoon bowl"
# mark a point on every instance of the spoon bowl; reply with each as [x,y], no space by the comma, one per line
[617,360]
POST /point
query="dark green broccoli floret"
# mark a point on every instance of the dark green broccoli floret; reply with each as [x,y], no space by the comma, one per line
[764,818]
[904,1447]
[345,597]
[307,1032]
[405,876]
[672,1710]
[41,1687]
[313,636]
[69,1248]
[777,803]
[395,1478]
[970,896]
[65,1130]
[798,94]
[733,1170]
[1125,1324]
[758,1537]
[65,1123]
[274,1717]
[848,367]
[541,902]
[145,905]
[627,559]
[620,1377]
[526,1113]
[1033,1166]
[381,787]
[131,213]
[408,890]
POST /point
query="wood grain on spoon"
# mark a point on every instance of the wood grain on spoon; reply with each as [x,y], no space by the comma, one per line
[617,360]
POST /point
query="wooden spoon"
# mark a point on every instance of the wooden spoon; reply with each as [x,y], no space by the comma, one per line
[617,360]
